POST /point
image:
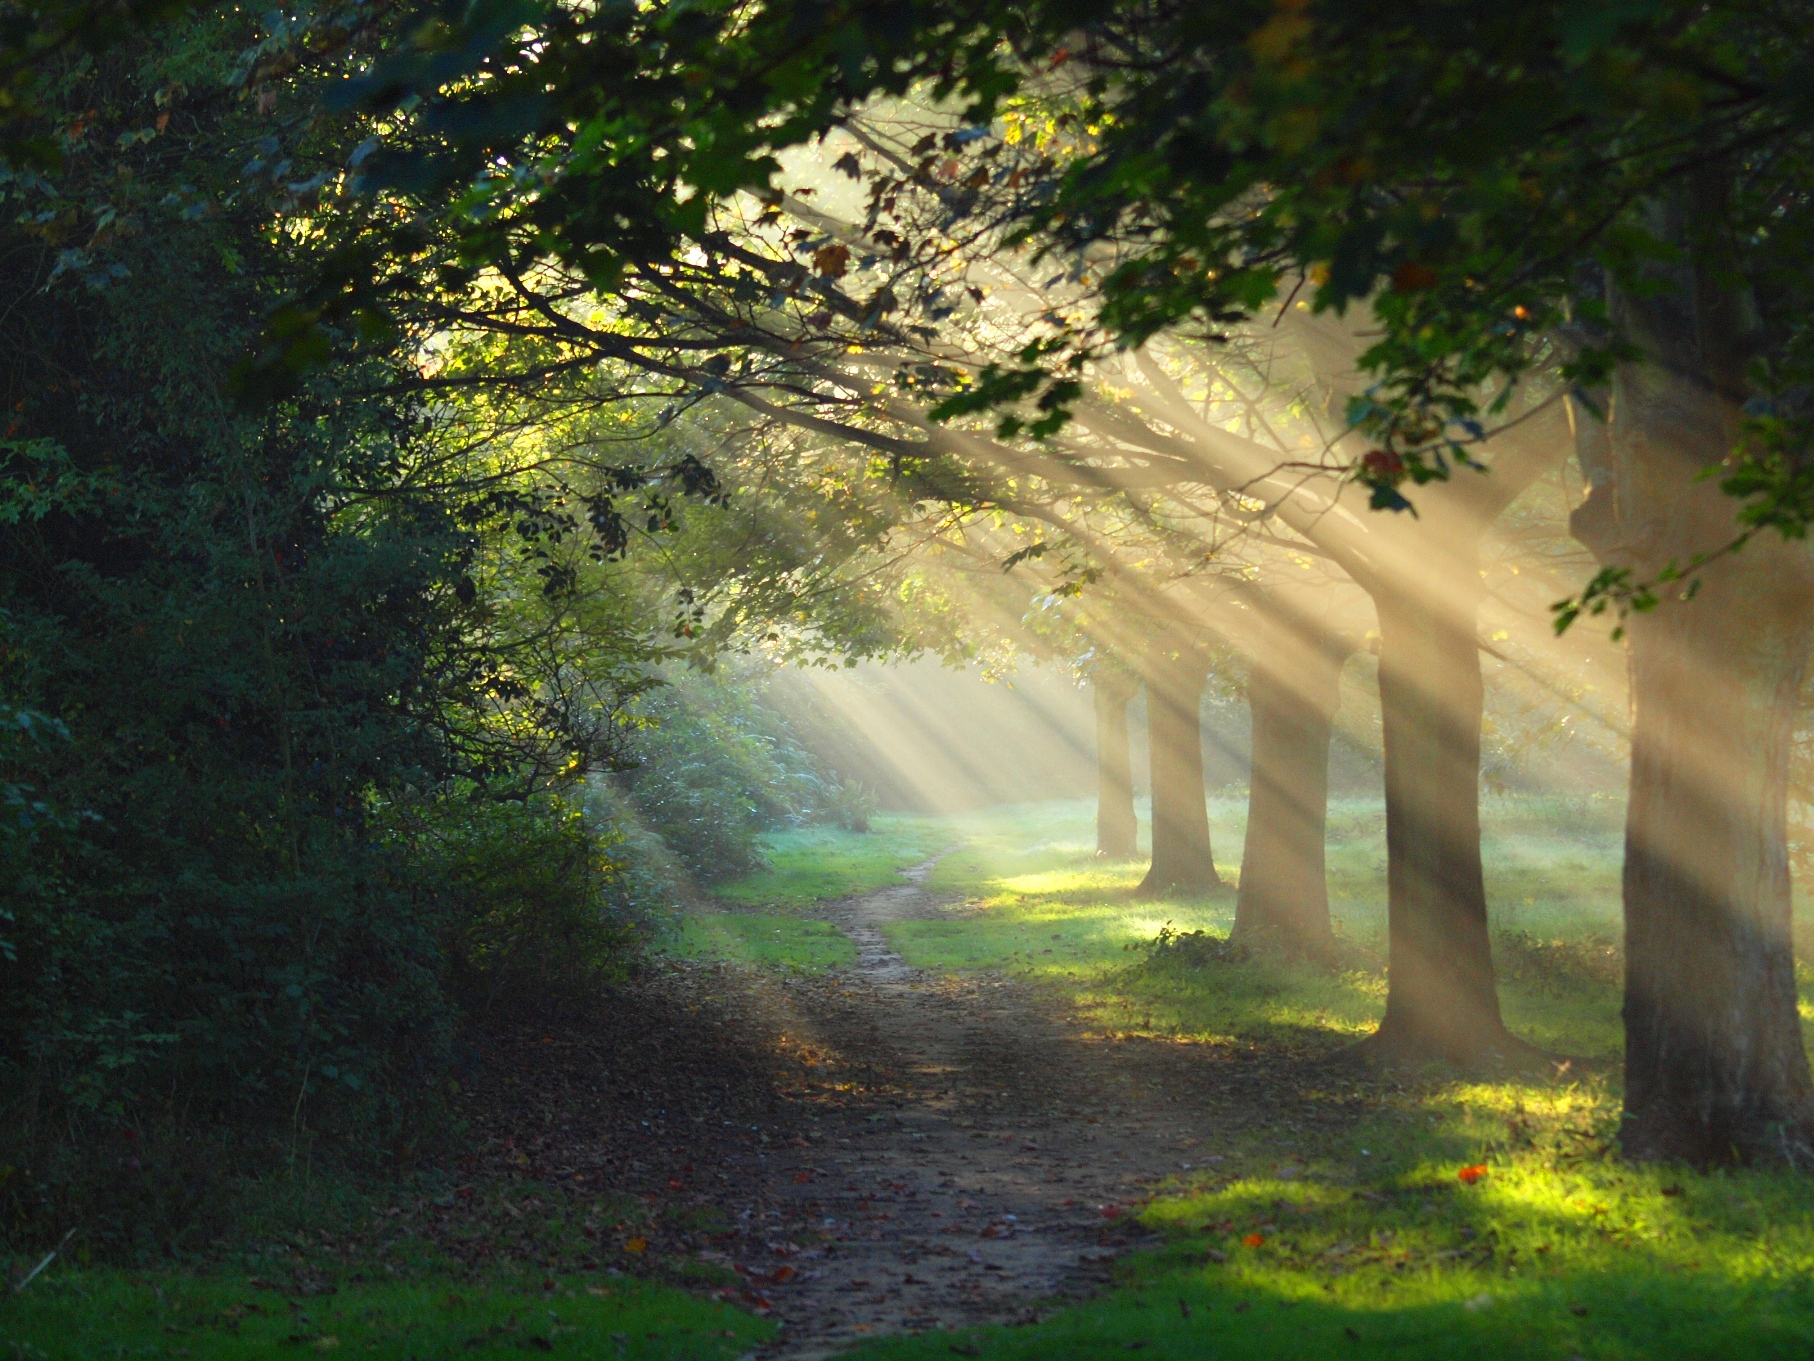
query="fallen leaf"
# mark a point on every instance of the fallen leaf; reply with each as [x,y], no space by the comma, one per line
[1253,1240]
[636,1245]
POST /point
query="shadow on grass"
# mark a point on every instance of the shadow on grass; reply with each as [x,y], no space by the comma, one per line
[1531,1260]
[1178,1315]
[757,938]
[87,1315]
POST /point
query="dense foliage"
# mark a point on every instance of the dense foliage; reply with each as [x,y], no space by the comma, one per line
[282,786]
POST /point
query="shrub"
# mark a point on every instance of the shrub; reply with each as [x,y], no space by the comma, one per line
[852,805]
[1558,965]
[532,917]
[717,768]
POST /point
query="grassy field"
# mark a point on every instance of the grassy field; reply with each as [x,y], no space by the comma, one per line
[763,921]
[1461,1218]
[759,938]
[810,864]
[1042,904]
[89,1315]
[325,1265]
[1037,901]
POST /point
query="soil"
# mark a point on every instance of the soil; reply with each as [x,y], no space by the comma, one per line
[877,1149]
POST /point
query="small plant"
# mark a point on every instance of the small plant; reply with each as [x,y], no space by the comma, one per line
[1188,949]
[531,918]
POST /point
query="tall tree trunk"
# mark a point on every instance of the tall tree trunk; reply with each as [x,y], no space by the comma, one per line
[1441,1000]
[1715,1069]
[1284,893]
[1116,827]
[1174,674]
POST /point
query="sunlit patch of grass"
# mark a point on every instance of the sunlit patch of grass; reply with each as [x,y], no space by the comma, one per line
[1040,935]
[1481,1220]
[776,942]
[1552,864]
[1038,902]
[80,1315]
[1242,999]
[813,864]
[1050,848]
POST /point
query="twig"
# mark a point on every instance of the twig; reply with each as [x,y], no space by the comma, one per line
[49,1257]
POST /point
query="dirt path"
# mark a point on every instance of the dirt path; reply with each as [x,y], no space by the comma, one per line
[883,1149]
[993,1174]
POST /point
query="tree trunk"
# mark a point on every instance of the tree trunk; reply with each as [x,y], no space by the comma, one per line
[1714,1066]
[1116,827]
[1715,1069]
[1284,893]
[1441,1001]
[1174,675]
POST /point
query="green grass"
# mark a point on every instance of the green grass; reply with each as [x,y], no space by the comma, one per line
[1038,902]
[1301,1250]
[807,866]
[811,864]
[1369,1243]
[776,942]
[82,1315]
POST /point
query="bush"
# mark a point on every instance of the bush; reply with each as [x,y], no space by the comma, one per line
[852,805]
[534,919]
[716,769]
[1558,965]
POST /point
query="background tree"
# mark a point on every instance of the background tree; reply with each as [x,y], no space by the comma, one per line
[1117,829]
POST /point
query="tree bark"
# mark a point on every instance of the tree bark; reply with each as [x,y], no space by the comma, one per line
[1284,893]
[1175,671]
[1116,827]
[1715,1069]
[1441,1002]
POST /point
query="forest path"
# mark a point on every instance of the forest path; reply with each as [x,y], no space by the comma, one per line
[871,1150]
[1000,1142]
